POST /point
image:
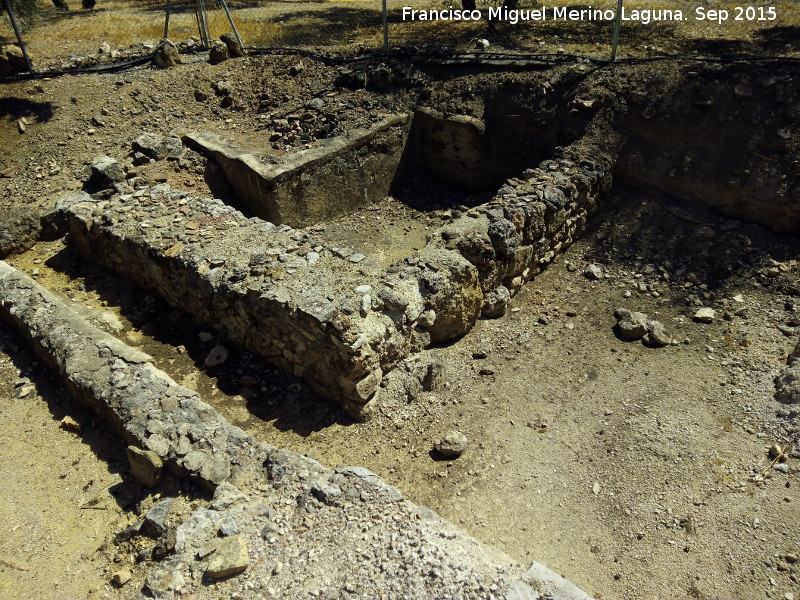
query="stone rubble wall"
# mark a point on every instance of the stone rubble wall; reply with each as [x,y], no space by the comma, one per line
[272,289]
[271,507]
[500,245]
[327,314]
[121,383]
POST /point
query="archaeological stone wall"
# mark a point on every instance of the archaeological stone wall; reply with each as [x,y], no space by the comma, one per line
[325,313]
[270,506]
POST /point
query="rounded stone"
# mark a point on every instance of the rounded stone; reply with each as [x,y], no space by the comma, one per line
[20,228]
[452,444]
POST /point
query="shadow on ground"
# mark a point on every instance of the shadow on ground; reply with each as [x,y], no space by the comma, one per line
[15,108]
[172,338]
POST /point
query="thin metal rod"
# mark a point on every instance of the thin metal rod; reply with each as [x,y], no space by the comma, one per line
[233,25]
[617,21]
[199,26]
[385,28]
[166,20]
[19,36]
[204,24]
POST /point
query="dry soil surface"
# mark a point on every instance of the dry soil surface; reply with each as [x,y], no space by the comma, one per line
[628,469]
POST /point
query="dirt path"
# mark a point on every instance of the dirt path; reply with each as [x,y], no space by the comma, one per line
[58,505]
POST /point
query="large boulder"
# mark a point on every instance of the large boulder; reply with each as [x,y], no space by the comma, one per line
[166,55]
[20,227]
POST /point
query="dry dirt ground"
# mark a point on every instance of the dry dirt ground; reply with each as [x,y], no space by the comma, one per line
[628,469]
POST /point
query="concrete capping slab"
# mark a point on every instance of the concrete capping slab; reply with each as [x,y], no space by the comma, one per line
[151,411]
[336,178]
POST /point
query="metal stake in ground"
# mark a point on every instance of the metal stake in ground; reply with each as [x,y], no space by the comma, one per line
[166,20]
[233,26]
[204,21]
[200,12]
[617,21]
[197,18]
[385,28]
[19,36]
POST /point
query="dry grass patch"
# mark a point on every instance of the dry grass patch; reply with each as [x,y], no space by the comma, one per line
[347,22]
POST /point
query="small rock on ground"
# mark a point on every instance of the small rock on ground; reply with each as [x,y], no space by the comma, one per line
[452,444]
[705,315]
[495,302]
[166,55]
[155,520]
[106,171]
[230,557]
[656,334]
[631,325]
[593,272]
[146,466]
[217,356]
[218,53]
[121,577]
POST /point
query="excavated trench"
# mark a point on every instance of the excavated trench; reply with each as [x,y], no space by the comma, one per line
[307,284]
[325,304]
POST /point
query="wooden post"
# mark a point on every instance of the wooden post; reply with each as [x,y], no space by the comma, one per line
[200,13]
[166,20]
[233,25]
[385,28]
[617,21]
[19,37]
